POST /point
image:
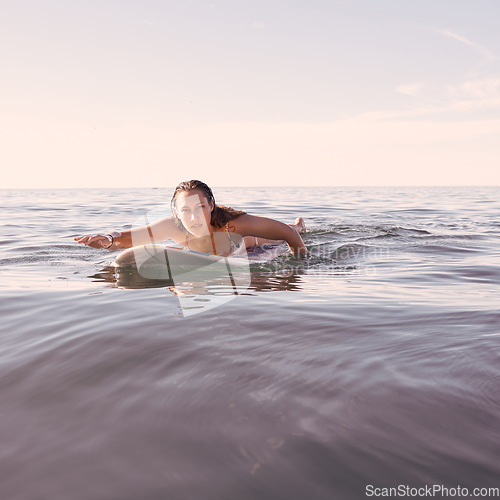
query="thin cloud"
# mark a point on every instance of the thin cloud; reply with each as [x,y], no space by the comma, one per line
[486,52]
[412,89]
[469,95]
[428,95]
[476,94]
[484,89]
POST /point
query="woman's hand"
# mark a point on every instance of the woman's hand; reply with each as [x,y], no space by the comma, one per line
[94,241]
[301,253]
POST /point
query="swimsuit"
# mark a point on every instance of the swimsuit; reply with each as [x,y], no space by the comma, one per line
[233,246]
[231,242]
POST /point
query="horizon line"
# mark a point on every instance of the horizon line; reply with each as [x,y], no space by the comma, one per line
[262,186]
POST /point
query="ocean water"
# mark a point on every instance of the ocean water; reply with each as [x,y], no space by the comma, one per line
[374,363]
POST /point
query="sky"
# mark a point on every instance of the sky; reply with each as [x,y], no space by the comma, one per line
[148,93]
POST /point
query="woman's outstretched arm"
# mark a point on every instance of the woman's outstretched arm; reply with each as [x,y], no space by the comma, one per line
[155,232]
[263,227]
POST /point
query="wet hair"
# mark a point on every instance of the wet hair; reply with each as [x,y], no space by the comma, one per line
[220,215]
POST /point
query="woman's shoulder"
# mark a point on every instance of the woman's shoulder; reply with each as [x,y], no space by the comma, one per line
[240,224]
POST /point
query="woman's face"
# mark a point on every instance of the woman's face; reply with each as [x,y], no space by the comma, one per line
[194,210]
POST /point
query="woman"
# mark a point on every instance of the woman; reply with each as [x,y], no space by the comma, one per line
[198,223]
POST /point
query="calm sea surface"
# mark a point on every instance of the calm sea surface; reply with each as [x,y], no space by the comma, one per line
[374,362]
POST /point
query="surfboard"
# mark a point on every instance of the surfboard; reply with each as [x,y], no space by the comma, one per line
[201,281]
[168,262]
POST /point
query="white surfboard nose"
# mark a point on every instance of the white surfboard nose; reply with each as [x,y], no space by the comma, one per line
[201,281]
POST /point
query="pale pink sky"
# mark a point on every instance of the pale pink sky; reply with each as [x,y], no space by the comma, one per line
[249,93]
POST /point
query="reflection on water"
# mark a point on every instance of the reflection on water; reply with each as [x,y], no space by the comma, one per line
[199,296]
[131,278]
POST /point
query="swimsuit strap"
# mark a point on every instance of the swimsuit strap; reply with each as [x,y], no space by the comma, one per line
[233,245]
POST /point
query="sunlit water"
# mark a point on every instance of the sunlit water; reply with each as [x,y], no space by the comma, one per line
[374,362]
